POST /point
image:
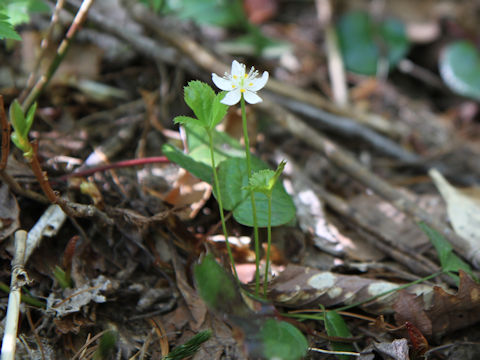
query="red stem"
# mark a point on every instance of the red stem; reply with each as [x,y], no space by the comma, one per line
[116,165]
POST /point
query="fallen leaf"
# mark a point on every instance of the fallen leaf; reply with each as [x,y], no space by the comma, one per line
[463,207]
[432,309]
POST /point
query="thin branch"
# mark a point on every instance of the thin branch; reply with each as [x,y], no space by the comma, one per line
[61,52]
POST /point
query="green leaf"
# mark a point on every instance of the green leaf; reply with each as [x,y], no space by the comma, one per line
[363,41]
[184,120]
[17,118]
[199,97]
[449,261]
[29,119]
[233,179]
[190,347]
[218,110]
[262,181]
[6,29]
[460,68]
[218,288]
[19,10]
[199,148]
[198,169]
[282,340]
[336,327]
[225,13]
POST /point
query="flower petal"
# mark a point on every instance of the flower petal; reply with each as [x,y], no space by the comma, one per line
[251,97]
[232,97]
[222,84]
[238,69]
[257,84]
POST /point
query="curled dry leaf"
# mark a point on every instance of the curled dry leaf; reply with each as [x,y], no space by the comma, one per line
[431,309]
[463,207]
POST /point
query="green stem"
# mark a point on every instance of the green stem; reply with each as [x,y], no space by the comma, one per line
[252,197]
[219,201]
[269,241]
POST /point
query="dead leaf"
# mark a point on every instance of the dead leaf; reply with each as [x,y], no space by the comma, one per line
[397,350]
[188,190]
[463,207]
[433,310]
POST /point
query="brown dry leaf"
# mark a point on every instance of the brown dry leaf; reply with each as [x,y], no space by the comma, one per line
[188,192]
[397,350]
[9,212]
[259,11]
[463,207]
[432,310]
[445,312]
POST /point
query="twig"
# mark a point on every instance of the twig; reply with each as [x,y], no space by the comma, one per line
[348,127]
[336,69]
[115,165]
[5,135]
[43,48]
[61,52]
[347,163]
[19,279]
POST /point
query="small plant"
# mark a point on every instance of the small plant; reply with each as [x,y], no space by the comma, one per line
[230,167]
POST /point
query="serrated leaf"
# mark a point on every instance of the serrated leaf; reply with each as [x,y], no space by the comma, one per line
[260,181]
[184,120]
[282,341]
[460,68]
[199,97]
[233,179]
[196,168]
[263,181]
[336,327]
[362,41]
[6,29]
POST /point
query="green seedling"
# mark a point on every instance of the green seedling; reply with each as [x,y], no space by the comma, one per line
[190,347]
[263,181]
[21,127]
[336,327]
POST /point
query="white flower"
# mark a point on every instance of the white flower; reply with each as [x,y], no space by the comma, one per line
[239,82]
